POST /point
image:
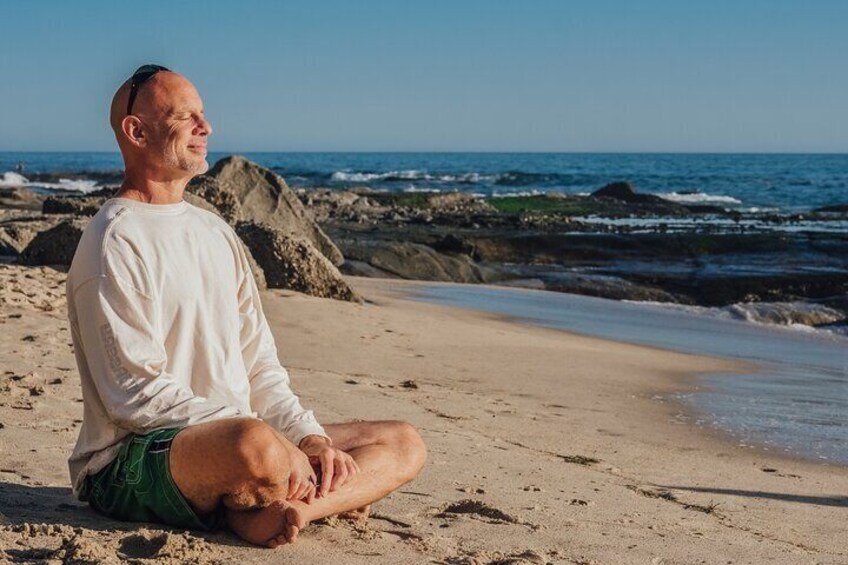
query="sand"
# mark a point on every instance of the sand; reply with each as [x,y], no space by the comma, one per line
[544,446]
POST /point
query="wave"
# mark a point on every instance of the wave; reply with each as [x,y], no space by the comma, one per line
[698,198]
[797,316]
[410,175]
[519,194]
[11,179]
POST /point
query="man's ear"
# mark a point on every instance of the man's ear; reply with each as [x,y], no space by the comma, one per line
[134,131]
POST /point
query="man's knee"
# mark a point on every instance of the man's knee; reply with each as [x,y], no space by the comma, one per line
[258,453]
[410,446]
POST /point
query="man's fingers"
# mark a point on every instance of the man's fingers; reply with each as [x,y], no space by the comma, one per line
[352,469]
[294,484]
[341,474]
[327,472]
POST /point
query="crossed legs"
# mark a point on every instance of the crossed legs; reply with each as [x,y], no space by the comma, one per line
[243,465]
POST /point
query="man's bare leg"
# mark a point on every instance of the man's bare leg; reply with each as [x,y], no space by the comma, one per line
[240,463]
[389,454]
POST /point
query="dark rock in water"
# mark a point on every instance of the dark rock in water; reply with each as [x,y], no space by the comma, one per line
[835,209]
[416,261]
[625,192]
[77,205]
[246,192]
[607,287]
[55,246]
[618,191]
[294,263]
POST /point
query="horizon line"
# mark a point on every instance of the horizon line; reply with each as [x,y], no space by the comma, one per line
[471,152]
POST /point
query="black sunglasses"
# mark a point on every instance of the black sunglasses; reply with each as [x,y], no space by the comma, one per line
[143,74]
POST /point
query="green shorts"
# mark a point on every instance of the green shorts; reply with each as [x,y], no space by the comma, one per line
[137,485]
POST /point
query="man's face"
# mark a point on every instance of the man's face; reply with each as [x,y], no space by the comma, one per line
[176,127]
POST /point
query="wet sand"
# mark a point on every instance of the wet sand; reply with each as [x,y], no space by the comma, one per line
[544,446]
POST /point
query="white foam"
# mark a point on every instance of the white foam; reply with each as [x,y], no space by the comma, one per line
[533,192]
[787,315]
[698,198]
[10,179]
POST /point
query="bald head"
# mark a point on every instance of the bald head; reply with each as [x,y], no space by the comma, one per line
[166,132]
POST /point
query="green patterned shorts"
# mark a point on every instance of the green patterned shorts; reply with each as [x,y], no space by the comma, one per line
[137,486]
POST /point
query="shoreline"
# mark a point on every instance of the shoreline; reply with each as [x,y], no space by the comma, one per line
[751,355]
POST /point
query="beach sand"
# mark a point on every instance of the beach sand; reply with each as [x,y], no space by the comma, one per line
[544,446]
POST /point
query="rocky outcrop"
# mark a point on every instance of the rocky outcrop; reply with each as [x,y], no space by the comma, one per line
[79,205]
[416,261]
[55,246]
[243,191]
[293,262]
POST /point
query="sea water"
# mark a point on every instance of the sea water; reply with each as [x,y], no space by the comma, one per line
[748,182]
[796,403]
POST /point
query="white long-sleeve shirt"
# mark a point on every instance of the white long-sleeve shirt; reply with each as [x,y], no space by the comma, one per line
[168,331]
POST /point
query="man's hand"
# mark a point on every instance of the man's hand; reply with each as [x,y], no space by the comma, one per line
[337,467]
[302,480]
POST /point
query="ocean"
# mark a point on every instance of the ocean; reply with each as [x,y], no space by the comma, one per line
[747,182]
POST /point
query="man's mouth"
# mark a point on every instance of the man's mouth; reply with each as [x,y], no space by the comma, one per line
[198,148]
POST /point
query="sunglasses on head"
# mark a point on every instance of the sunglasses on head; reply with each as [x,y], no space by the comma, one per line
[143,74]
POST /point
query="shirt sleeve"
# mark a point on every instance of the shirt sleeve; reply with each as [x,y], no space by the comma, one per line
[270,391]
[122,345]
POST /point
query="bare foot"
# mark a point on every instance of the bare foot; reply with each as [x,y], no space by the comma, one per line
[272,526]
[357,515]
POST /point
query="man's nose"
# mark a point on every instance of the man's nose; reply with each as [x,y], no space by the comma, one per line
[203,126]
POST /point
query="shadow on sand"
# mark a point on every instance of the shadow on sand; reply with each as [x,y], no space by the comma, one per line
[838,501]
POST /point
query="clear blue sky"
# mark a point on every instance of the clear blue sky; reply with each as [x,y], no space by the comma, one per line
[465,75]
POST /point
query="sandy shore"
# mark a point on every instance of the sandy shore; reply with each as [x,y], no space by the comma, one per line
[544,446]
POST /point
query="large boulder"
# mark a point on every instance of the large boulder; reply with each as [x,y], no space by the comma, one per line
[246,192]
[55,246]
[293,262]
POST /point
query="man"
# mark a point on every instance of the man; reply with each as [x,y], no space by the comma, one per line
[188,415]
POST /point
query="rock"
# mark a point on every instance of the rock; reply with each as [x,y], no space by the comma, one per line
[77,205]
[16,235]
[416,261]
[618,191]
[20,198]
[835,209]
[294,263]
[55,246]
[613,288]
[453,244]
[246,192]
[625,192]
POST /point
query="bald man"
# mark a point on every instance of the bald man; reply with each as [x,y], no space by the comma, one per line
[189,418]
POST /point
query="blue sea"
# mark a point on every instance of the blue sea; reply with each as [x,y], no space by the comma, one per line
[747,182]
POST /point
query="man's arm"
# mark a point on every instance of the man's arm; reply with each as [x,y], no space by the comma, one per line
[271,395]
[126,359]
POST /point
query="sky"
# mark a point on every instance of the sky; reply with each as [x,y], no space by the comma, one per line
[441,75]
